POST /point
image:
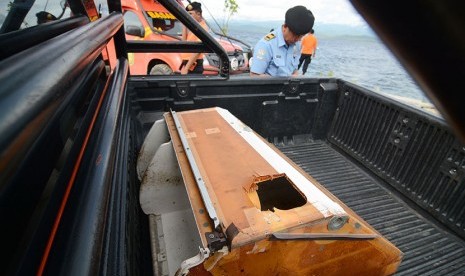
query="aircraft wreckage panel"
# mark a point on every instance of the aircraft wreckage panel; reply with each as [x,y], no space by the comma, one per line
[259,213]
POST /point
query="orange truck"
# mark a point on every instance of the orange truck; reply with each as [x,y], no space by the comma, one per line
[148,20]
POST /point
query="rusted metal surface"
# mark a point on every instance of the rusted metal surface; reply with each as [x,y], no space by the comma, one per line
[195,170]
[247,179]
[198,208]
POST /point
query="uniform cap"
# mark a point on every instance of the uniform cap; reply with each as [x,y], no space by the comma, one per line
[44,16]
[299,20]
[194,6]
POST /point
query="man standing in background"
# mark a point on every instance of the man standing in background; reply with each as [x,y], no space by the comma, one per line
[192,63]
[277,54]
[309,44]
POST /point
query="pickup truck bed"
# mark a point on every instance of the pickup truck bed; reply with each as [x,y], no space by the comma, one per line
[428,248]
[399,168]
[71,133]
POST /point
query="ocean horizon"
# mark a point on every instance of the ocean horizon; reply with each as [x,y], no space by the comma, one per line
[352,53]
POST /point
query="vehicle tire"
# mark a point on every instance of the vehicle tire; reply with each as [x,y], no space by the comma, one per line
[161,69]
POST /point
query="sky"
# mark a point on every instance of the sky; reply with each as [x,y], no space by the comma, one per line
[325,11]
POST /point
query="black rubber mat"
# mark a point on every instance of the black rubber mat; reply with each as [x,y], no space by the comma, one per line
[428,249]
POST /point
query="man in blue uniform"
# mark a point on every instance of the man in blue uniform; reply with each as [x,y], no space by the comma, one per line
[278,53]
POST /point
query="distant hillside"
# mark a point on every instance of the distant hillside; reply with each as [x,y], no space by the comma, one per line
[343,30]
[321,29]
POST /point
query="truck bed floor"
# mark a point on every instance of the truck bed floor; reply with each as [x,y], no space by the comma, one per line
[428,249]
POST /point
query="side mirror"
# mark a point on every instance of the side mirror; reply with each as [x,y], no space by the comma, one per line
[135,30]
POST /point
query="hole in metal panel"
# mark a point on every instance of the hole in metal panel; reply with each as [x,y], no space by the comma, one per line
[275,191]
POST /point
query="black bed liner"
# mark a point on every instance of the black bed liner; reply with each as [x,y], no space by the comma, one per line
[428,249]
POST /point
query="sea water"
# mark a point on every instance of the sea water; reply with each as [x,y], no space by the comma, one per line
[362,60]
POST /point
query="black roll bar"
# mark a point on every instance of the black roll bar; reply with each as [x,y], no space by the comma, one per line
[86,253]
[17,41]
[37,92]
[39,85]
[167,46]
[204,36]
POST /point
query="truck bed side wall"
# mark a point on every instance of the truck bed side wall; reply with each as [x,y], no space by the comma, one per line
[414,152]
[276,109]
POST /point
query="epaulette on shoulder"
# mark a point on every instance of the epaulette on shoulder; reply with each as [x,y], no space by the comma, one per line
[269,36]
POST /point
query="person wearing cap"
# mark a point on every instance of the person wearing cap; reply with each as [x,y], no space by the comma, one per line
[309,43]
[278,53]
[193,62]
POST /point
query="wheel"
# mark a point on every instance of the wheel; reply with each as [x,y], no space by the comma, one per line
[161,69]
